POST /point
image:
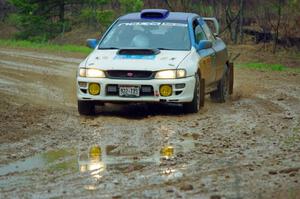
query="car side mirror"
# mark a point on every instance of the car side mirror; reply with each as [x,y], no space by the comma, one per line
[204,44]
[92,43]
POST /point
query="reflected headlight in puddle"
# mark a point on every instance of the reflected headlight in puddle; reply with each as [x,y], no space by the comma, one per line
[168,171]
[99,166]
[167,152]
[82,168]
[90,187]
[96,169]
[95,153]
[92,163]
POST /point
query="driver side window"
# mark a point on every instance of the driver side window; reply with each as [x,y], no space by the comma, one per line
[198,32]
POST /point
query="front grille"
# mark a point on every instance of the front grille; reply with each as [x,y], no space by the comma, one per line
[113,90]
[122,74]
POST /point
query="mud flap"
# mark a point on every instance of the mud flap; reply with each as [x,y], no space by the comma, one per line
[231,77]
[202,92]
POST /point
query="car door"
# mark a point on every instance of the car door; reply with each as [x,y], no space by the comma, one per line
[207,56]
[220,52]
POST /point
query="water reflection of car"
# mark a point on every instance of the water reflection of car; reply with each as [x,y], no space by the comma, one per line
[156,56]
[100,159]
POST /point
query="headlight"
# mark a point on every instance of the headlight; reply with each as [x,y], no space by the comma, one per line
[91,72]
[170,74]
[94,73]
[82,72]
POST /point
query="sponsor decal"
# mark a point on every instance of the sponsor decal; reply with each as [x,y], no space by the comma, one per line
[153,24]
[145,57]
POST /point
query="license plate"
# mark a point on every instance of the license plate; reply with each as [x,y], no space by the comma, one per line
[129,91]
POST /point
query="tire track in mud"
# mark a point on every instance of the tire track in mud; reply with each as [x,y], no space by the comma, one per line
[38,77]
[230,150]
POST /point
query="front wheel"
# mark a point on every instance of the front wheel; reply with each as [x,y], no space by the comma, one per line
[198,99]
[86,107]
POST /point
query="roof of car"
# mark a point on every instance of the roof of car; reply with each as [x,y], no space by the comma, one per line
[172,16]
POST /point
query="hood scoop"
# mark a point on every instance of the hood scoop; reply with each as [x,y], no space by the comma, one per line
[138,52]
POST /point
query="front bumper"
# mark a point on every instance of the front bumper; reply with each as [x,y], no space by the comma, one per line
[179,94]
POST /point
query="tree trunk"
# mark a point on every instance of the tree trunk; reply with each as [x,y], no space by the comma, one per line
[62,14]
[241,21]
[169,5]
[236,30]
[279,10]
[229,20]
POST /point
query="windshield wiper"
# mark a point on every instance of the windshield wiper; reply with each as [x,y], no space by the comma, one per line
[108,48]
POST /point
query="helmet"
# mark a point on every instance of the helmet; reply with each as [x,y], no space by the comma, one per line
[140,41]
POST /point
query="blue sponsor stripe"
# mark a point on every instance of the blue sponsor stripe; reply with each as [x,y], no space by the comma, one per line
[147,57]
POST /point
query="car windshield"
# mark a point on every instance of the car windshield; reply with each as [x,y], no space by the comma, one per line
[147,35]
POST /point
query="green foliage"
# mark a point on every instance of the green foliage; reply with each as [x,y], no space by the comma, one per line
[105,17]
[33,21]
[34,28]
[97,2]
[102,18]
[131,5]
[24,6]
[87,14]
[45,46]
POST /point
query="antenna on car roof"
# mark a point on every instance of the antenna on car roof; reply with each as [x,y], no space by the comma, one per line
[154,13]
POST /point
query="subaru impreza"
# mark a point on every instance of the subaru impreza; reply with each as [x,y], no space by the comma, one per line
[156,56]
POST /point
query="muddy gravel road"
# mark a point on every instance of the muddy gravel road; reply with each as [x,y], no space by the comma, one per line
[248,147]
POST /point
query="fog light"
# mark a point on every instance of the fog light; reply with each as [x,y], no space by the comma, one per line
[165,90]
[94,89]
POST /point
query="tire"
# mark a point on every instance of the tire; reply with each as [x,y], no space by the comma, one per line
[86,108]
[223,90]
[198,99]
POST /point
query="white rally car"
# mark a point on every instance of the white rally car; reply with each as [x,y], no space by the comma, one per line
[155,56]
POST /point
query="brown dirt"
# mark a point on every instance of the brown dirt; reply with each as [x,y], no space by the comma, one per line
[7,31]
[247,147]
[261,53]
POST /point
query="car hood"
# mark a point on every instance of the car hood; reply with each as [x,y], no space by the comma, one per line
[110,60]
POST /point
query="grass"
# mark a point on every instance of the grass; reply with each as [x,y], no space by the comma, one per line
[268,67]
[264,66]
[44,46]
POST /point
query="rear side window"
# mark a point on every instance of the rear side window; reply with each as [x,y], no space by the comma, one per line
[208,33]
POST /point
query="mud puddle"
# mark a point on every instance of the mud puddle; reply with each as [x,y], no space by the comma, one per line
[94,162]
[45,160]
[97,157]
